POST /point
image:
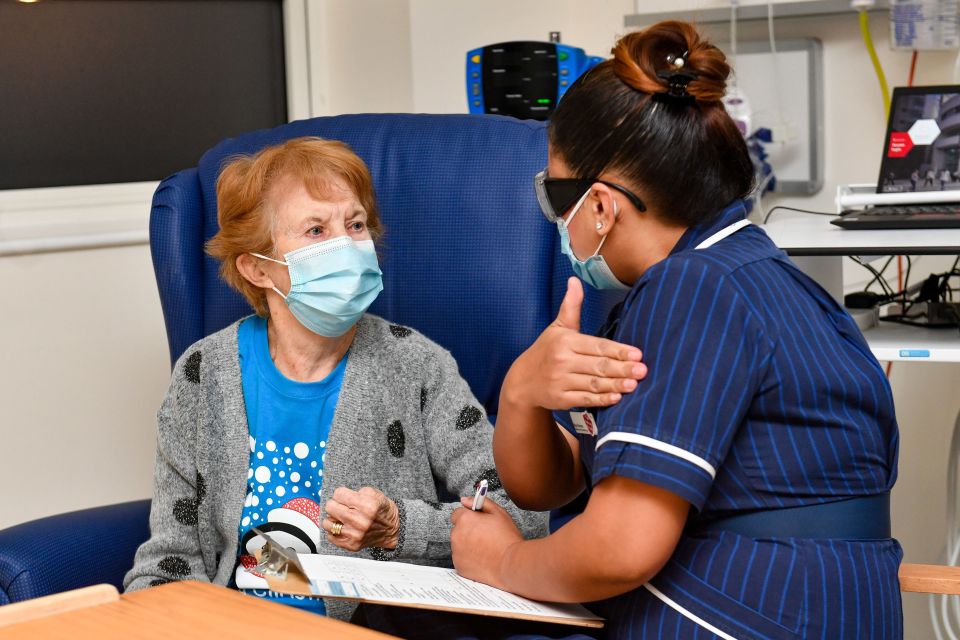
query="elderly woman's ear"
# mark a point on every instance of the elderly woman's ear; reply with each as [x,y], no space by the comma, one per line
[252,269]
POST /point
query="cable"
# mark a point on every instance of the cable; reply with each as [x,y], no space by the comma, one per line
[773,42]
[785,208]
[733,39]
[877,276]
[900,282]
[944,622]
[906,280]
[776,69]
[868,41]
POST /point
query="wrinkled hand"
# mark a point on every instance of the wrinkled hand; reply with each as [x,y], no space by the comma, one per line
[480,540]
[565,368]
[370,519]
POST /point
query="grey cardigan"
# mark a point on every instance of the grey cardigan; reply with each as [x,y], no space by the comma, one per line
[405,423]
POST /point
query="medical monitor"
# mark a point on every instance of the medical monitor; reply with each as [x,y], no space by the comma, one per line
[523,79]
[922,146]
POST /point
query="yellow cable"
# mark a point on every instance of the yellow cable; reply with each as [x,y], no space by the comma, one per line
[868,41]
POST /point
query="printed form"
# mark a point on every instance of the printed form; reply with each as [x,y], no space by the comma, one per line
[414,585]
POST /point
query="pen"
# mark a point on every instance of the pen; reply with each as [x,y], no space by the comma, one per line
[479,495]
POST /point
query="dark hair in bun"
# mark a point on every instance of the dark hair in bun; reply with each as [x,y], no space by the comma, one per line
[684,155]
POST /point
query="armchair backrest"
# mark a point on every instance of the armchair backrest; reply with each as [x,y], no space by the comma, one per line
[467,257]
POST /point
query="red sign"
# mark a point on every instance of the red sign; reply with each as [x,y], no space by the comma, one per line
[900,144]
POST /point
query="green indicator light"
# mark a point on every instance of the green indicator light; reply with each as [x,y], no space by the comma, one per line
[563,55]
[543,100]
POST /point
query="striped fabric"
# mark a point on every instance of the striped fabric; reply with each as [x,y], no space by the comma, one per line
[761,393]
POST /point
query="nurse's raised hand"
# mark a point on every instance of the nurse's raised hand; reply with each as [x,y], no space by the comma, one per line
[565,368]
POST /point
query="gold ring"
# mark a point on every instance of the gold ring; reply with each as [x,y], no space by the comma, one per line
[336,529]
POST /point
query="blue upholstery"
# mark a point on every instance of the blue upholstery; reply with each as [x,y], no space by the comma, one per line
[467,259]
[71,550]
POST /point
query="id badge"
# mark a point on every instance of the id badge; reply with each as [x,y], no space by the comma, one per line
[583,423]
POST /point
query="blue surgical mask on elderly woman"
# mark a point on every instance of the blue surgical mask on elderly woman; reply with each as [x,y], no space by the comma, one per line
[332,283]
[594,270]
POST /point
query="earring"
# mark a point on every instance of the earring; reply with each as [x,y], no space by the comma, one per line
[599,226]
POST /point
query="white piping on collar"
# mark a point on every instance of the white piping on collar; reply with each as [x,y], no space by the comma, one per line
[723,233]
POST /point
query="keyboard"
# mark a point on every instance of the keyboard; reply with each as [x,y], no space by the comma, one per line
[931,216]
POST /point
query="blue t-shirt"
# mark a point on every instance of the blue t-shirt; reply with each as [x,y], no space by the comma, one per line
[289,426]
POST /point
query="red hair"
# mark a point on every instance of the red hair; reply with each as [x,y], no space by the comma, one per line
[245,187]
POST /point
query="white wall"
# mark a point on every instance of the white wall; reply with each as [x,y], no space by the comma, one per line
[84,368]
[360,60]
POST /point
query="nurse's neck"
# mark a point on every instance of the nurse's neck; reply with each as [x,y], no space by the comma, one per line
[639,241]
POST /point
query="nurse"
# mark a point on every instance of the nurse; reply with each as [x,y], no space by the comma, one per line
[741,490]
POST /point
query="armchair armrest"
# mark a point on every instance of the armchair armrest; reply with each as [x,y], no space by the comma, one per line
[71,550]
[929,578]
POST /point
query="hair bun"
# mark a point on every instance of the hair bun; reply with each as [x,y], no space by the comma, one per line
[641,58]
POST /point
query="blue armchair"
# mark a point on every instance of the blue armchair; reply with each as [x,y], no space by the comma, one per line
[467,259]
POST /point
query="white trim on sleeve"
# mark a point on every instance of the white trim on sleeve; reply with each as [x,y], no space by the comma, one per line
[636,438]
[687,614]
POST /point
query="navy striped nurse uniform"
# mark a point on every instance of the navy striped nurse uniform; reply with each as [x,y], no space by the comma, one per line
[761,394]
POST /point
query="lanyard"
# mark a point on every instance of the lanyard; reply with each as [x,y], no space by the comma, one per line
[723,233]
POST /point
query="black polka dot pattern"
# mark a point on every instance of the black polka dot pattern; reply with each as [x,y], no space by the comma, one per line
[423,400]
[175,566]
[201,488]
[493,480]
[186,510]
[399,332]
[469,416]
[192,367]
[159,581]
[436,505]
[396,440]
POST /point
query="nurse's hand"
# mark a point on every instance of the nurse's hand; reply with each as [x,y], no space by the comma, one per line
[480,540]
[368,519]
[565,368]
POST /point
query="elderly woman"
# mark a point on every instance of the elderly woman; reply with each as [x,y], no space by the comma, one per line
[311,401]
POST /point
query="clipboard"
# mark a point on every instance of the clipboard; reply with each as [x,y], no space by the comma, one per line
[289,572]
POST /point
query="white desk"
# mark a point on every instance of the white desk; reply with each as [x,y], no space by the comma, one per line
[812,235]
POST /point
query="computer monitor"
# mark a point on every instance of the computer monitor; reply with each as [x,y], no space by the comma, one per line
[922,147]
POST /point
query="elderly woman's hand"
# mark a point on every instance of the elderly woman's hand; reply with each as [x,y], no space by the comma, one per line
[565,368]
[368,518]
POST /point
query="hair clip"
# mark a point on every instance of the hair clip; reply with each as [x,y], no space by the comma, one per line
[677,61]
[677,82]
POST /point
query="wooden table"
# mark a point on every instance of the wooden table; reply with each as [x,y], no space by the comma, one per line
[187,610]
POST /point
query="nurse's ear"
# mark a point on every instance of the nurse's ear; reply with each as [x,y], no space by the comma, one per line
[604,209]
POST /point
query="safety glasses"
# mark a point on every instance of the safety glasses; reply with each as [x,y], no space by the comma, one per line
[557,195]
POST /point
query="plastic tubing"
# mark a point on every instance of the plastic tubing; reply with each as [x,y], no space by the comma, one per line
[868,41]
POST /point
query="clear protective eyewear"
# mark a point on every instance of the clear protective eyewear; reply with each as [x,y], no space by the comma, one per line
[557,195]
